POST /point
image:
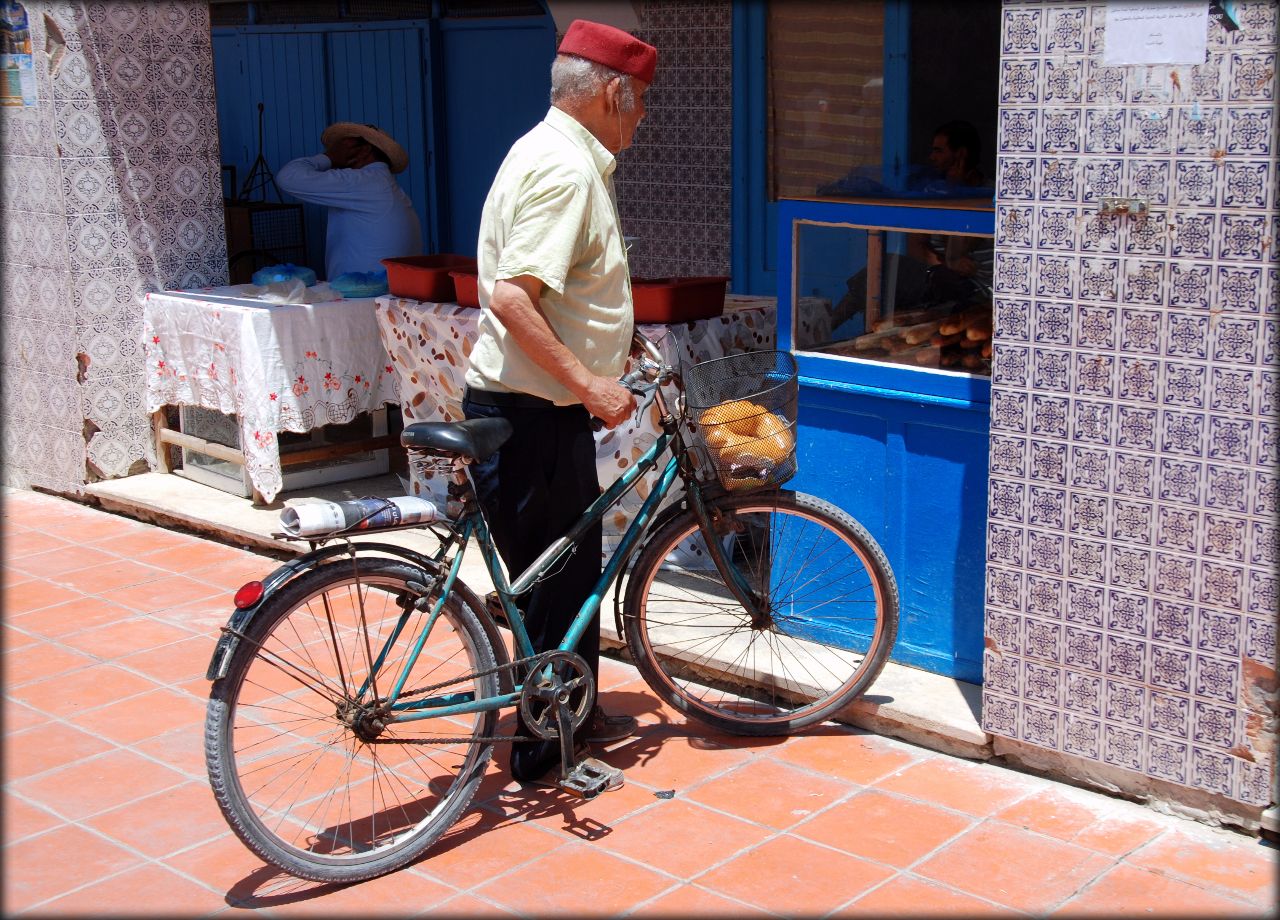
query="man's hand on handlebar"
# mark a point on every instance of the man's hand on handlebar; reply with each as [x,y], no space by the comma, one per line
[609,401]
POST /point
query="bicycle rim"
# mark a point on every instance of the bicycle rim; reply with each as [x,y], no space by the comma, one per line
[295,780]
[831,615]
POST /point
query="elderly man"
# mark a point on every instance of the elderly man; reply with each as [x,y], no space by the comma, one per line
[555,334]
[370,218]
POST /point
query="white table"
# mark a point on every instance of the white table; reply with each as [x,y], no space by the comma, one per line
[430,343]
[289,367]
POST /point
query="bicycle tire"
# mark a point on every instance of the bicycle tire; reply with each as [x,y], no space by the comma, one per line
[296,783]
[832,615]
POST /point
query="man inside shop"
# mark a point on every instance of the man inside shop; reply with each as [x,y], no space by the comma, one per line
[370,218]
[554,336]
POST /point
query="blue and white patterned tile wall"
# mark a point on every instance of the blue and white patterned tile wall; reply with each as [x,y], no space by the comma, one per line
[111,189]
[1132,541]
[674,184]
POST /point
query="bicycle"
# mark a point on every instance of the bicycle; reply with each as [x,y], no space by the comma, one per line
[356,689]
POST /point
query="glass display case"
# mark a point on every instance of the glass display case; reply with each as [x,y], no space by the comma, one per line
[875,283]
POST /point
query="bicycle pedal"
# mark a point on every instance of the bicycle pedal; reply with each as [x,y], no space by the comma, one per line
[590,777]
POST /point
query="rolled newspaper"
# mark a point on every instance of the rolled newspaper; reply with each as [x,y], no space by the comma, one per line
[318,518]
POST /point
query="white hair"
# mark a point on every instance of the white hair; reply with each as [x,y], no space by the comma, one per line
[575,79]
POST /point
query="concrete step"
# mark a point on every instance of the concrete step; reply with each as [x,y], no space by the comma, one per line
[924,708]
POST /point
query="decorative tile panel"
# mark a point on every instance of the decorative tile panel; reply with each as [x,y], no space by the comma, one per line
[677,208]
[116,171]
[1133,548]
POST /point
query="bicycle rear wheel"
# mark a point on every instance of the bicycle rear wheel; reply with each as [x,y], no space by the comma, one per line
[302,779]
[829,614]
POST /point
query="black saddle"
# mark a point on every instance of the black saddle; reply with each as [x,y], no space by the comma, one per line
[476,438]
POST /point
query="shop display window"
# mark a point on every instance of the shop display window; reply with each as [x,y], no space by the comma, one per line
[920,298]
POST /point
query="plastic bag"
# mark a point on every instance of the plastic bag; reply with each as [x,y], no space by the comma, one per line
[286,272]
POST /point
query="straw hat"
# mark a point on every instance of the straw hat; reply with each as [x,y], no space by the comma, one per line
[383,141]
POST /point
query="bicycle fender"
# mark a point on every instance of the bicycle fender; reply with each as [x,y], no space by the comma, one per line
[240,619]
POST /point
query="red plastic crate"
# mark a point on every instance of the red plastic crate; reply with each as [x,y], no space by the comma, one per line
[677,300]
[426,277]
[466,285]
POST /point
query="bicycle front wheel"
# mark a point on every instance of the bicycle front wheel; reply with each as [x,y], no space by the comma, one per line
[307,774]
[827,614]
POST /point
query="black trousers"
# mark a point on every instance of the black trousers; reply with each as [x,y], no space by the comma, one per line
[531,492]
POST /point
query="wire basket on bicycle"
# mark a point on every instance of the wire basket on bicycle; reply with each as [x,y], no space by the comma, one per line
[741,413]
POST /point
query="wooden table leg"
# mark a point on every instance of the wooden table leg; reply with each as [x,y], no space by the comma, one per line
[160,424]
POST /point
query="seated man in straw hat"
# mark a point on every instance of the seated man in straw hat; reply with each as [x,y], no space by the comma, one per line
[370,218]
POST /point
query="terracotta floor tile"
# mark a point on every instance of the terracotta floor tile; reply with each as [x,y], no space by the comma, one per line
[161,593]
[91,786]
[91,525]
[887,828]
[856,756]
[905,896]
[704,837]
[35,594]
[144,716]
[228,866]
[144,541]
[84,612]
[146,890]
[482,845]
[176,748]
[400,894]
[1222,862]
[1049,812]
[83,689]
[100,579]
[12,639]
[1096,825]
[31,542]
[793,877]
[68,558]
[1017,868]
[976,789]
[22,820]
[36,869]
[230,576]
[194,556]
[691,901]
[464,905]
[39,662]
[566,815]
[577,879]
[148,824]
[125,637]
[18,716]
[47,746]
[11,578]
[1116,835]
[766,792]
[203,617]
[663,757]
[1127,891]
[177,661]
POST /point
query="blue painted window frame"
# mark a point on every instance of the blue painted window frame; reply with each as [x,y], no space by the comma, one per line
[943,387]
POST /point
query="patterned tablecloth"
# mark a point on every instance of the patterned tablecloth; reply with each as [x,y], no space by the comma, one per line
[288,367]
[429,345]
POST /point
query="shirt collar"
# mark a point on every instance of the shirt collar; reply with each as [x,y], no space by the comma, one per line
[570,127]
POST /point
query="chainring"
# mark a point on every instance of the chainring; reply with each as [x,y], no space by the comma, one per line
[556,678]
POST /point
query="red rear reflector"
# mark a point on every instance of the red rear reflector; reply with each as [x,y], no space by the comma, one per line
[248,595]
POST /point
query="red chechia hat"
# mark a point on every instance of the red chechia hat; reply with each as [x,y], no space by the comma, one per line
[611,47]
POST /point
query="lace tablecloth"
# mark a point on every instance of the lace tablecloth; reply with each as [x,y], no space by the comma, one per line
[429,345]
[289,367]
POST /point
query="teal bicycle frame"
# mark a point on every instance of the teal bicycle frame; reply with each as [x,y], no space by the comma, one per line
[474,526]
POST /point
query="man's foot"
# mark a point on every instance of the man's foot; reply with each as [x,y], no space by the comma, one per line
[603,728]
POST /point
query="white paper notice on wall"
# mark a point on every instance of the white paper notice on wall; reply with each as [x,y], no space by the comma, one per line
[1156,33]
